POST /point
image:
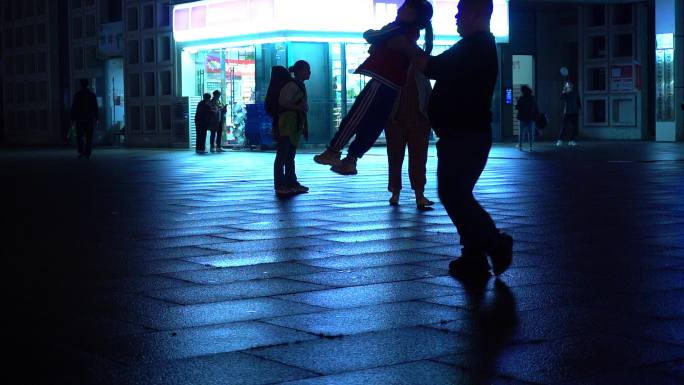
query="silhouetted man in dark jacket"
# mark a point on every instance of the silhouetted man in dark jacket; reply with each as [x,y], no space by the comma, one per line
[84,113]
[205,117]
[460,113]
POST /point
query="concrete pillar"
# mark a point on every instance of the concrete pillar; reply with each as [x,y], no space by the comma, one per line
[670,19]
[679,69]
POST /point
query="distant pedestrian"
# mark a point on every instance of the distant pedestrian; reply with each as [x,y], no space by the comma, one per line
[460,113]
[571,108]
[387,66]
[292,125]
[205,116]
[84,113]
[409,126]
[216,137]
[527,114]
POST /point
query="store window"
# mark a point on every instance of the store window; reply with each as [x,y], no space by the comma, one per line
[91,57]
[595,111]
[132,19]
[18,38]
[29,35]
[165,117]
[165,83]
[596,79]
[596,47]
[40,33]
[148,81]
[623,110]
[19,65]
[150,118]
[9,65]
[30,64]
[623,45]
[595,16]
[165,48]
[134,117]
[133,85]
[9,38]
[622,14]
[90,28]
[8,11]
[133,52]
[164,15]
[149,50]
[77,27]
[78,59]
[21,120]
[40,7]
[148,16]
[41,63]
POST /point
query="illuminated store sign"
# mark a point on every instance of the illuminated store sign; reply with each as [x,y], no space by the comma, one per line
[302,19]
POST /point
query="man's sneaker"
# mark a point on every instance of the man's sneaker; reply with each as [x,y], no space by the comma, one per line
[394,199]
[285,191]
[328,157]
[559,143]
[212,149]
[219,149]
[346,166]
[469,269]
[572,143]
[300,188]
[423,202]
[502,254]
[200,152]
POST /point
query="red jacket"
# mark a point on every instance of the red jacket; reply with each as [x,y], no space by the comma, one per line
[384,64]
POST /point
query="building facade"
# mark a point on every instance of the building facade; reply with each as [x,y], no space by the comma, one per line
[32,65]
[150,60]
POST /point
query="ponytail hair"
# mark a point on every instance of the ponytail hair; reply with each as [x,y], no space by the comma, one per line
[298,65]
[429,38]
[424,13]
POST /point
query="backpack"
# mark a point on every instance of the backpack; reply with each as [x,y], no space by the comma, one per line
[279,78]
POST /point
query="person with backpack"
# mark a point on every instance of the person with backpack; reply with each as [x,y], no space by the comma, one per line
[205,116]
[290,125]
[527,113]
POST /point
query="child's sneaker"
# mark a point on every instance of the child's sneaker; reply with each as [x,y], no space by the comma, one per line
[572,143]
[328,157]
[559,143]
[346,166]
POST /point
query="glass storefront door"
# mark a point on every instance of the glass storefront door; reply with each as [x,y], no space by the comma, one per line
[232,71]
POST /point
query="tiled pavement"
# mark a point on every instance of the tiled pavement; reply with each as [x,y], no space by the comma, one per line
[162,267]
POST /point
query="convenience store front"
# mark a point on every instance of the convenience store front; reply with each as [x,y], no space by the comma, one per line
[231,45]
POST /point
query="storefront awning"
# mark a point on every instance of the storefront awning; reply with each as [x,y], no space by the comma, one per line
[214,21]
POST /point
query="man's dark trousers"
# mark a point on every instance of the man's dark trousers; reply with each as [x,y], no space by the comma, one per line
[84,137]
[461,159]
[201,139]
[570,127]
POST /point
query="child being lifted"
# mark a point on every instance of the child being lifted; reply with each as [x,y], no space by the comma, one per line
[387,66]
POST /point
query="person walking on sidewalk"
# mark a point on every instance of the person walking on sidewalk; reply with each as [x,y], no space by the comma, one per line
[217,133]
[292,125]
[409,126]
[571,107]
[387,67]
[460,113]
[205,115]
[527,113]
[84,112]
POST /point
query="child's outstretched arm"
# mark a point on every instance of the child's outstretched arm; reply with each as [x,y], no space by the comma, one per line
[373,36]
